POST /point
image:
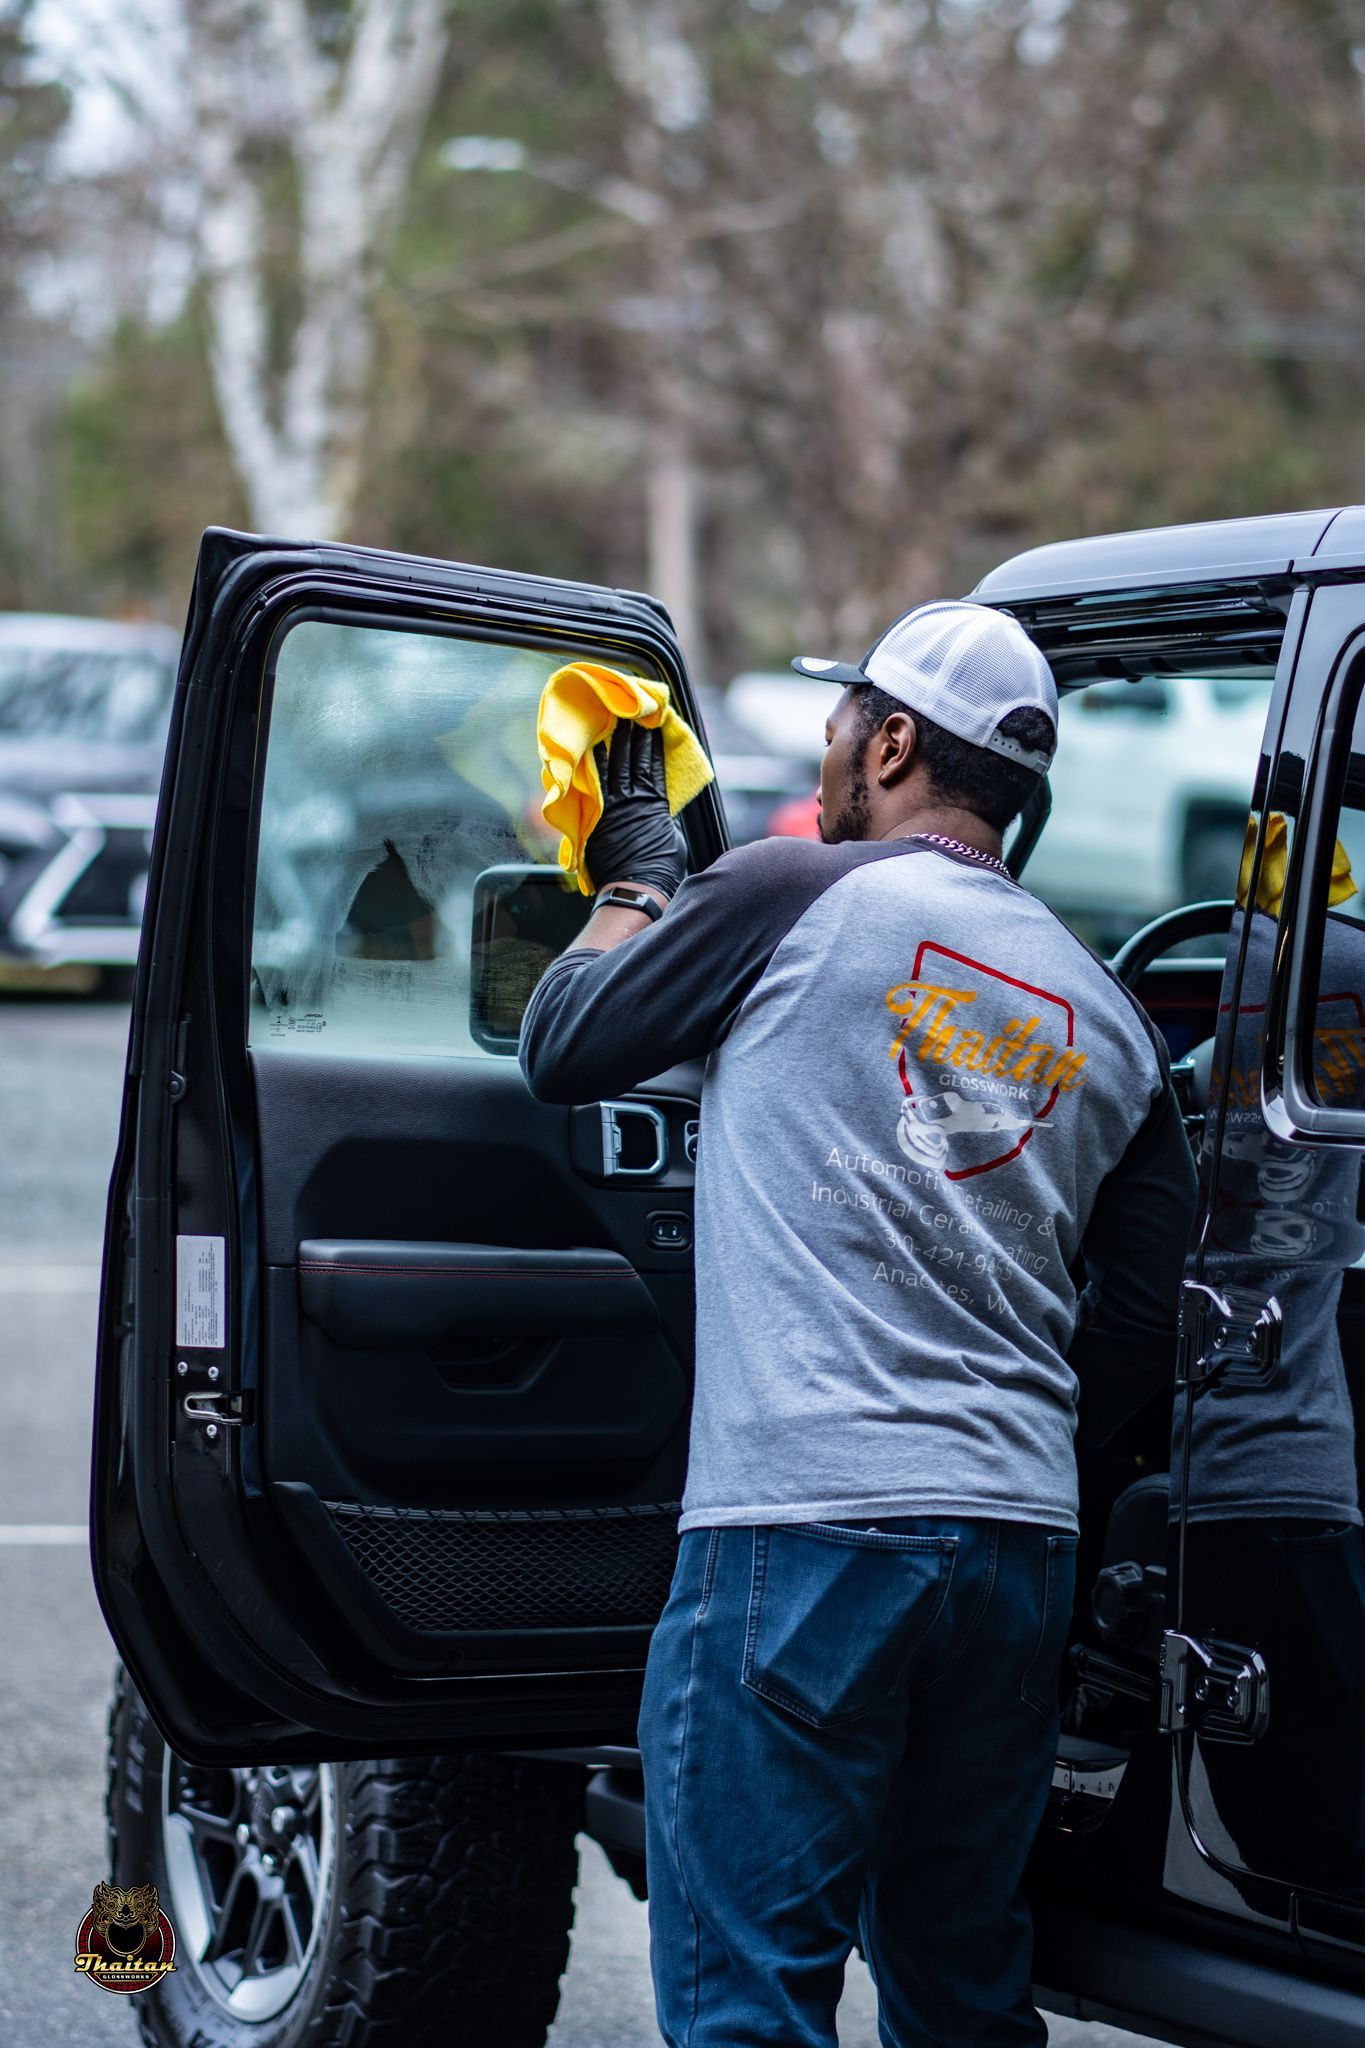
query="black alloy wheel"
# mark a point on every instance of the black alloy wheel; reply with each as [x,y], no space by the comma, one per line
[250,1863]
[397,1904]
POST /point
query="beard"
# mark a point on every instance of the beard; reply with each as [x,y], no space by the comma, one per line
[854,821]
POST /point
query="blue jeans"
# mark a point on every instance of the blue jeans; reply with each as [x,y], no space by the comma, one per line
[849,1730]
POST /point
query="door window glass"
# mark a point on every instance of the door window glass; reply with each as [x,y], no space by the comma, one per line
[1338,1028]
[400,769]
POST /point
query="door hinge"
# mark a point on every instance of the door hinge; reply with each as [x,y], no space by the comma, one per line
[1227,1333]
[1218,1689]
[178,1087]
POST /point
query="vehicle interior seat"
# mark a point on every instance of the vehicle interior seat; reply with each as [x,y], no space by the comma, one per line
[1128,1597]
[1109,1681]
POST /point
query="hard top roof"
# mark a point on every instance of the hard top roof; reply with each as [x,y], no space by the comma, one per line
[1214,551]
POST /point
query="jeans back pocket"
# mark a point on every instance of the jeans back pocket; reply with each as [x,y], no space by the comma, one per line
[836,1614]
[1038,1687]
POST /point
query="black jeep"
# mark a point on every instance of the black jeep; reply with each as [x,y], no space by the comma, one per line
[384,1474]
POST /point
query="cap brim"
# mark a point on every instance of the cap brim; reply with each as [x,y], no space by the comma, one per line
[818,671]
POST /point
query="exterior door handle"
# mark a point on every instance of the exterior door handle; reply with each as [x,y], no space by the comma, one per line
[1218,1689]
[1229,1333]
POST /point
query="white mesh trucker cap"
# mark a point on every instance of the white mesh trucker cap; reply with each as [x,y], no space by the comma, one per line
[964,665]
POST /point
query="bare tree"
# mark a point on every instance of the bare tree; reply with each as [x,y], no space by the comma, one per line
[34,362]
[287,134]
[1002,239]
[808,312]
[662,74]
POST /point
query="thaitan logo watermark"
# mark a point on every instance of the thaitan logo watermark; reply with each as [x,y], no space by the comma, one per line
[982,1057]
[125,1942]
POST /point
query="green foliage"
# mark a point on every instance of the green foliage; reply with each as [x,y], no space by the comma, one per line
[913,313]
[32,113]
[145,467]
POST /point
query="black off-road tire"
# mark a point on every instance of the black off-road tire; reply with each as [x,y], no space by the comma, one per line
[448,1913]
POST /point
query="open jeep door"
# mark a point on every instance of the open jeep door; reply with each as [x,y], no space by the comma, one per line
[1200,1876]
[1264,1684]
[394,1361]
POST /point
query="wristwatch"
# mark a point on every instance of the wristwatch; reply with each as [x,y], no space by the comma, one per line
[629,899]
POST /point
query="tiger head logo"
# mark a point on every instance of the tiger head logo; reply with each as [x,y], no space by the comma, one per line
[126,1919]
[125,1943]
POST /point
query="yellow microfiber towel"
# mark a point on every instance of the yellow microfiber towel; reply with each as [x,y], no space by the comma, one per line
[1274,866]
[579,707]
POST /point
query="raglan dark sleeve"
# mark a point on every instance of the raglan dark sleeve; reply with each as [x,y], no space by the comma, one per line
[599,1022]
[1134,1250]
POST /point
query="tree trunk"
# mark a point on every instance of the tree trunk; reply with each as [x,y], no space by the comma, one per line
[297,431]
[672,510]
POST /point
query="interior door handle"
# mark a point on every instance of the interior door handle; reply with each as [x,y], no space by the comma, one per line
[635,1141]
[639,1154]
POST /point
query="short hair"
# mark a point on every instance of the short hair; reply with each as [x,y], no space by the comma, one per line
[985,783]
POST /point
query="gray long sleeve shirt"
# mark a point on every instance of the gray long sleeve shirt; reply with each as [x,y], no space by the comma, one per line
[926,1106]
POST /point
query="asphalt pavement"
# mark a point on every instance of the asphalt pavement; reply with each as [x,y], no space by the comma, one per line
[60,1073]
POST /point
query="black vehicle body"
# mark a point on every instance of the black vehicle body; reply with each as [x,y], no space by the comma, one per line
[84,705]
[379,1517]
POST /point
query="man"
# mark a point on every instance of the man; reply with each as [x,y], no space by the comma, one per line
[926,1106]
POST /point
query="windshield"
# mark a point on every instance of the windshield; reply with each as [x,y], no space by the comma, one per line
[121,698]
[1151,786]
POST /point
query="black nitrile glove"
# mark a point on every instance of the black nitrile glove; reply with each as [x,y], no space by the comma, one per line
[635,839]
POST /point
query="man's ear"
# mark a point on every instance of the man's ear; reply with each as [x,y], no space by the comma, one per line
[895,750]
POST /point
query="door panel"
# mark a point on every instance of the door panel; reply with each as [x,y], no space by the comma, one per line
[389,1417]
[421,1414]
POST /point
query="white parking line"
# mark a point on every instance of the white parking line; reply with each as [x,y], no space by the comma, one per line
[18,1535]
[49,1279]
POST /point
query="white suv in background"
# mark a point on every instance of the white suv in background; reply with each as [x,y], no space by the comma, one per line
[1149,796]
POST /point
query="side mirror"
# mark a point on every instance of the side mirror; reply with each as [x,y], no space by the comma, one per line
[523,917]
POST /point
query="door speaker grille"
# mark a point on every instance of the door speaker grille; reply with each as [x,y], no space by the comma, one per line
[440,1570]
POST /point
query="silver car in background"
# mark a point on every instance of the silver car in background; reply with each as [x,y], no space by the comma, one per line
[84,707]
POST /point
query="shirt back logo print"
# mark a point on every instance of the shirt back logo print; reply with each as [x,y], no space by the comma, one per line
[983,1059]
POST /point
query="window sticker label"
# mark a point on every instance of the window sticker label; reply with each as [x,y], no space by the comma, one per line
[200,1276]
